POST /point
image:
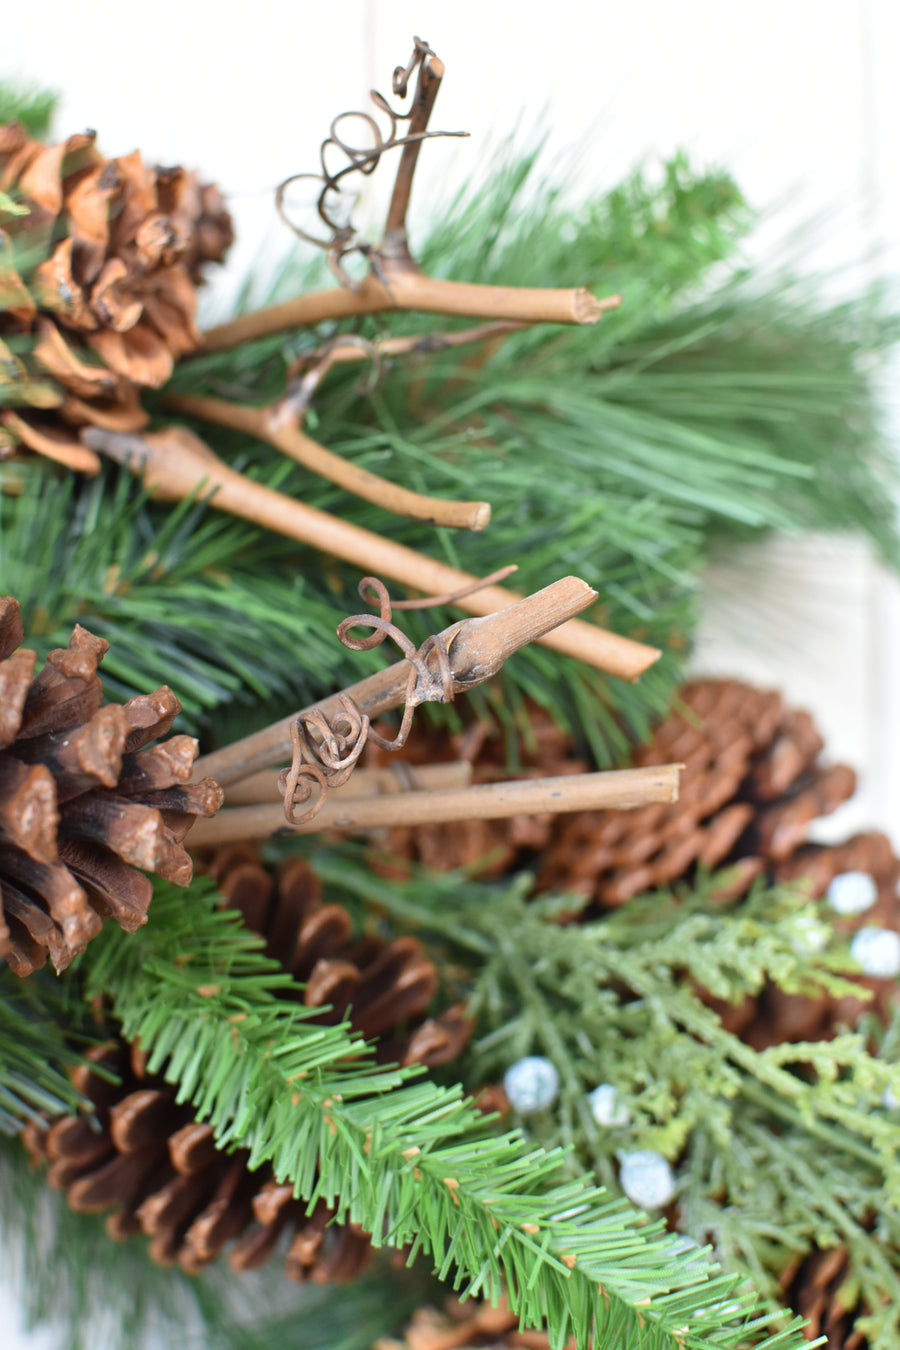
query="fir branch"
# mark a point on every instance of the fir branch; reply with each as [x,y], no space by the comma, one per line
[410,1162]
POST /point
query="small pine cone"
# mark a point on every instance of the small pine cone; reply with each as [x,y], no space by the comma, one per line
[821,1288]
[101,275]
[156,1170]
[467,1326]
[85,800]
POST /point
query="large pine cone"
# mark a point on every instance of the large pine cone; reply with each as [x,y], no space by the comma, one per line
[158,1170]
[83,802]
[97,286]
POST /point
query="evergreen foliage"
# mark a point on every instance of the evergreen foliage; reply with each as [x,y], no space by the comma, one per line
[711,401]
[26,103]
[39,1023]
[411,1162]
[171,592]
[779,1152]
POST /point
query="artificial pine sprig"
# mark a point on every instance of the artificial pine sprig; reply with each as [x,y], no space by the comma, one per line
[410,1162]
[171,590]
[38,1026]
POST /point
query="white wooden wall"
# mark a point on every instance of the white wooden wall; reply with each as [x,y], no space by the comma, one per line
[799,98]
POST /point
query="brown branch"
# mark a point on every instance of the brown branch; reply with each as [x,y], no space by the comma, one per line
[477,649]
[175,463]
[622,789]
[262,788]
[431,72]
[411,291]
[270,425]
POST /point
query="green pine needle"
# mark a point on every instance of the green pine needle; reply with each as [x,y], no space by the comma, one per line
[28,104]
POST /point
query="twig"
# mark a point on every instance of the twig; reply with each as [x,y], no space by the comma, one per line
[413,292]
[270,424]
[175,463]
[477,649]
[621,790]
[262,788]
[431,72]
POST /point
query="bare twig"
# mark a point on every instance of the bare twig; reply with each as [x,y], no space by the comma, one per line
[175,463]
[477,649]
[274,425]
[413,292]
[262,788]
[622,789]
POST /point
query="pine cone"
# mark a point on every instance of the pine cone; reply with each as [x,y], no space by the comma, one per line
[820,1287]
[83,803]
[158,1170]
[101,275]
[492,847]
[467,1326]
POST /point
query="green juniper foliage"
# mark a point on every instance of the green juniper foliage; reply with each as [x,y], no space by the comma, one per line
[411,1162]
[778,1152]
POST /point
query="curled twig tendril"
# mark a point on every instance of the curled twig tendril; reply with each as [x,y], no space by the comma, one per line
[326,748]
[342,238]
[325,753]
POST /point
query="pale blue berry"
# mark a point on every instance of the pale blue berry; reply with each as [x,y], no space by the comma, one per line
[877,951]
[608,1106]
[851,893]
[647,1179]
[531,1084]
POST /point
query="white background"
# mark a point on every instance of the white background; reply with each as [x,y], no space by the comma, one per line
[798,98]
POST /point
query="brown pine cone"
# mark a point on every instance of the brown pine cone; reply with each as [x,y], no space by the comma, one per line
[467,1326]
[158,1171]
[100,277]
[85,800]
[820,1287]
[492,847]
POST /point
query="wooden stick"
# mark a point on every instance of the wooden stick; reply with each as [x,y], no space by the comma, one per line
[413,291]
[619,790]
[271,424]
[176,463]
[477,649]
[262,788]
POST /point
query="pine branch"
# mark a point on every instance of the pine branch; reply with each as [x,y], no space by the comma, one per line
[409,1161]
[28,104]
[175,592]
[35,1050]
[687,415]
